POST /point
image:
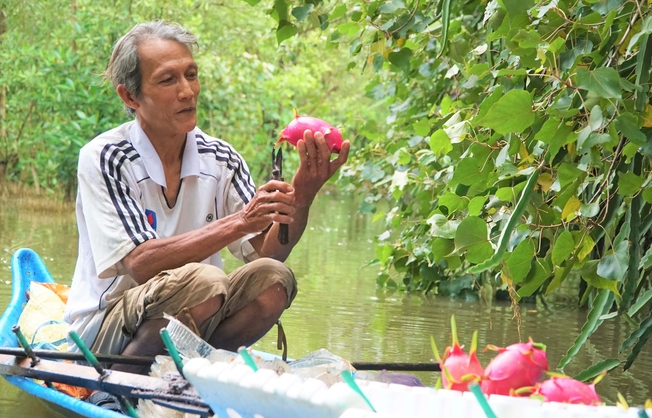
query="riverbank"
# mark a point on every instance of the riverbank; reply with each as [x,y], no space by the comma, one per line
[31,200]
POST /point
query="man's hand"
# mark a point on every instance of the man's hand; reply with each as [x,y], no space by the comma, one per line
[316,166]
[273,202]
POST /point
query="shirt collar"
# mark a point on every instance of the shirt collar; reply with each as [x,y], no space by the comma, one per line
[152,162]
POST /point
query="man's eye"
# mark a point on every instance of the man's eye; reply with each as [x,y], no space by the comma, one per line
[192,75]
[166,80]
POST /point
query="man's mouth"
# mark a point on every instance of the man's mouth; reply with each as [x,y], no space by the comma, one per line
[187,110]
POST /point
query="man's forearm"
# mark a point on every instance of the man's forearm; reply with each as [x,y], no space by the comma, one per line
[274,249]
[155,255]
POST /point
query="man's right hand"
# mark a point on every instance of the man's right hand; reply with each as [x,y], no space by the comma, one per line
[273,202]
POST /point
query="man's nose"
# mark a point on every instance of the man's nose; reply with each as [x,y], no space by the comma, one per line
[185,89]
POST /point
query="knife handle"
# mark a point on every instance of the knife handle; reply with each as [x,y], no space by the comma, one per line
[283,229]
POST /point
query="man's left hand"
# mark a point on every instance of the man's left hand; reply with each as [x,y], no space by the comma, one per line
[316,166]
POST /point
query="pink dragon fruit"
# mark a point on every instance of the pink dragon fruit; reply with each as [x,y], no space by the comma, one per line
[295,129]
[458,368]
[514,367]
[568,390]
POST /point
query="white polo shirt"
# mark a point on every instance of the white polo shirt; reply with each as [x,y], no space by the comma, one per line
[121,204]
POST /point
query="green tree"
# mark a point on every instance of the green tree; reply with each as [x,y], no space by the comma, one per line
[54,52]
[517,148]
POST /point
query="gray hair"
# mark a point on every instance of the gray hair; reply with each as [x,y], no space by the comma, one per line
[124,66]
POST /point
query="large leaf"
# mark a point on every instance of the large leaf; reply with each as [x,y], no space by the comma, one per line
[520,261]
[471,236]
[590,275]
[441,227]
[562,248]
[629,183]
[614,265]
[285,30]
[603,82]
[401,59]
[441,248]
[511,113]
[599,304]
[541,271]
[467,172]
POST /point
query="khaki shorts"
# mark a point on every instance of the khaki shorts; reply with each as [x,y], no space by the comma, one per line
[174,292]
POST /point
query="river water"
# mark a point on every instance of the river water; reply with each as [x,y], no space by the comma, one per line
[339,308]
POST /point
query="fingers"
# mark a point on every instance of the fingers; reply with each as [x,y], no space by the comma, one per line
[342,157]
[314,153]
[276,185]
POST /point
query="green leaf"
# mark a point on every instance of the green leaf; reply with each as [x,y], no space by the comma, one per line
[471,231]
[440,143]
[471,235]
[568,173]
[516,7]
[554,132]
[511,113]
[476,205]
[628,125]
[605,6]
[590,210]
[614,265]
[441,248]
[592,323]
[252,2]
[541,271]
[339,11]
[451,201]
[384,252]
[441,227]
[597,369]
[467,173]
[603,82]
[302,12]
[629,183]
[401,59]
[647,194]
[563,248]
[285,30]
[590,275]
[585,247]
[520,261]
[422,127]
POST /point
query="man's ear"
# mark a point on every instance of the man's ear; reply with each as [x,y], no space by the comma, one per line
[127,97]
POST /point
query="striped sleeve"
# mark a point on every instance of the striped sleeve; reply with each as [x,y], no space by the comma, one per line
[241,180]
[113,215]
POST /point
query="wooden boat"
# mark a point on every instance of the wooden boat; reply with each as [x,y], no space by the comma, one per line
[27,267]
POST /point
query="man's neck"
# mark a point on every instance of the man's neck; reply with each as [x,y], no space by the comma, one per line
[168,147]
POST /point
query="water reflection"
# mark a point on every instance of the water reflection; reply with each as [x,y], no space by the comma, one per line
[339,308]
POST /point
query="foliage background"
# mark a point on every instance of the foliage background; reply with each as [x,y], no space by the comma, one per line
[52,55]
[504,143]
[517,151]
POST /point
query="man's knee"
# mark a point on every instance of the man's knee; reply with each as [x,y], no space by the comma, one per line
[280,277]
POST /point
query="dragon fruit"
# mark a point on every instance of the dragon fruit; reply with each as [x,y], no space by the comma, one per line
[458,368]
[295,129]
[568,390]
[515,366]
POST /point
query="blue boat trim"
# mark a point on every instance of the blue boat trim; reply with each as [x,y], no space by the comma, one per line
[26,267]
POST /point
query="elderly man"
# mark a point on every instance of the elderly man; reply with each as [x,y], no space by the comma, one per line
[158,199]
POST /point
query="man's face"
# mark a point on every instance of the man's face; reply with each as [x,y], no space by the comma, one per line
[170,89]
